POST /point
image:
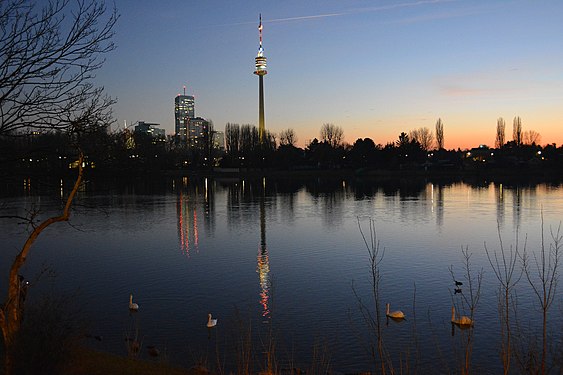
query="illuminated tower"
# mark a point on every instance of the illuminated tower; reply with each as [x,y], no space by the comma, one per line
[184,110]
[260,71]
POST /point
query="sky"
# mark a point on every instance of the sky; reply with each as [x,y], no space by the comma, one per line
[374,68]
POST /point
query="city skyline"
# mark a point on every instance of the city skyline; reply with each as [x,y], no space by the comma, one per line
[375,69]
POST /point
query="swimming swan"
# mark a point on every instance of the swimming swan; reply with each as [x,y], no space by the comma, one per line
[132,306]
[211,322]
[395,314]
[463,321]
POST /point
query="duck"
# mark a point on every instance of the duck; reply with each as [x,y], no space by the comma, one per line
[211,322]
[463,321]
[132,306]
[458,283]
[395,314]
[457,290]
[153,351]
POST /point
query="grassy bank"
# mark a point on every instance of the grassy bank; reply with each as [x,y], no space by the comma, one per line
[91,362]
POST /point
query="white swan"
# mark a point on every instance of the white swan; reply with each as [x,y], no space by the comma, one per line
[132,306]
[463,321]
[211,322]
[395,314]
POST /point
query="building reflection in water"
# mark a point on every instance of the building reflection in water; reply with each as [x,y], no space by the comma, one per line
[187,219]
[263,267]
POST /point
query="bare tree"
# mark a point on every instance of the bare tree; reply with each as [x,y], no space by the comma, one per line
[531,137]
[374,321]
[288,137]
[503,264]
[332,134]
[49,56]
[232,138]
[500,139]
[423,136]
[517,131]
[439,134]
[249,139]
[542,275]
[468,300]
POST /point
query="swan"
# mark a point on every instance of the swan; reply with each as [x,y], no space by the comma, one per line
[463,321]
[211,322]
[132,306]
[395,314]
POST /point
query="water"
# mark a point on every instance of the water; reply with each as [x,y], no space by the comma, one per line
[282,259]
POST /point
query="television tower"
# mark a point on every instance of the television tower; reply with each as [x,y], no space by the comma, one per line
[260,71]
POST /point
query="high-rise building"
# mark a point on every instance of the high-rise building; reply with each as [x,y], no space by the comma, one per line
[198,132]
[151,129]
[260,61]
[184,110]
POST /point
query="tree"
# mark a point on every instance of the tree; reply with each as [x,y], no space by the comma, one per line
[288,137]
[332,134]
[439,134]
[517,131]
[531,137]
[403,140]
[499,140]
[423,136]
[49,56]
[232,139]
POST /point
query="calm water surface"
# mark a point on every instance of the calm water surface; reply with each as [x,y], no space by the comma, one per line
[281,258]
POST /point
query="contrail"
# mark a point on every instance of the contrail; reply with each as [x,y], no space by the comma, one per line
[363,10]
[345,13]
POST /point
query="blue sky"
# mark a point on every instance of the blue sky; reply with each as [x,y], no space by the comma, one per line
[374,68]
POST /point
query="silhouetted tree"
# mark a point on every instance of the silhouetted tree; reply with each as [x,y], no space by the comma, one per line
[403,140]
[362,152]
[439,134]
[232,139]
[288,137]
[332,134]
[499,140]
[517,131]
[423,136]
[531,137]
[50,53]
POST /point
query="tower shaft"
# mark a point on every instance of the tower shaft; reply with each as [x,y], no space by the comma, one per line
[261,120]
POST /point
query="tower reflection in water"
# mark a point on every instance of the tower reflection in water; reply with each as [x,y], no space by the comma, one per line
[263,267]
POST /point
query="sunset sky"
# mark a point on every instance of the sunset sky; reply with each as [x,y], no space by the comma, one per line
[374,68]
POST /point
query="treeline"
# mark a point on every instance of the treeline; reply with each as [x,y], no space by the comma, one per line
[124,152]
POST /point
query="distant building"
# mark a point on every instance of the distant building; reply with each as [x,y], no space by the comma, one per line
[184,110]
[197,133]
[218,141]
[481,154]
[151,129]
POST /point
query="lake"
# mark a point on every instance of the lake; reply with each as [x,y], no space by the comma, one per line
[284,259]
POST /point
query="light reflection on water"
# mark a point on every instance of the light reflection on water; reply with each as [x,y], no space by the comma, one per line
[283,252]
